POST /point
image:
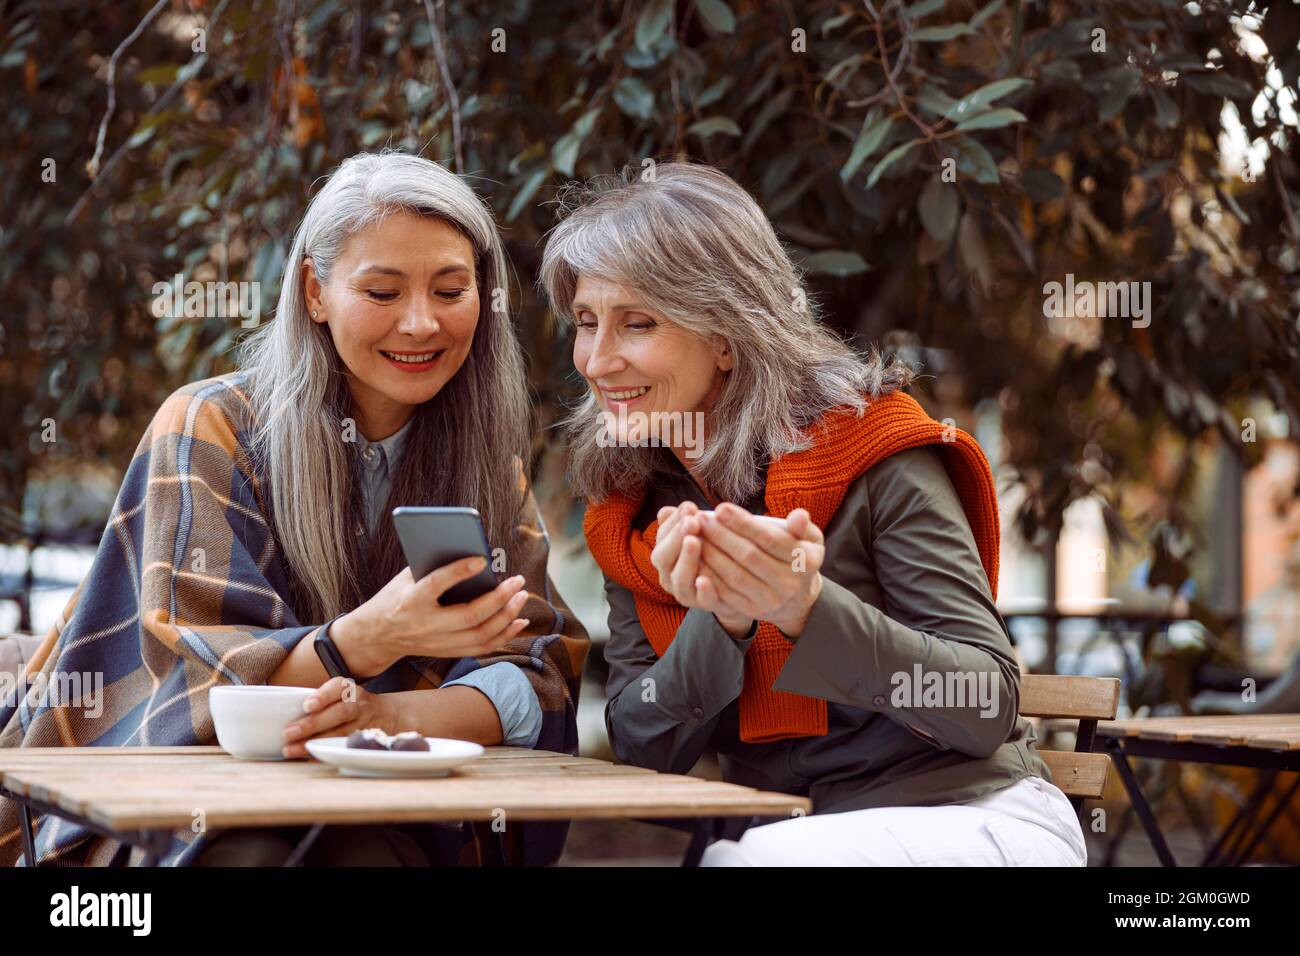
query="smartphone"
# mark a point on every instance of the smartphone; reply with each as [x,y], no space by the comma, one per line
[433,537]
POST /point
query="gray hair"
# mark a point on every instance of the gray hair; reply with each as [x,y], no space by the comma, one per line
[701,252]
[300,397]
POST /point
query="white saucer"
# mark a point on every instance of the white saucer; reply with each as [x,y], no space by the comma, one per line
[442,756]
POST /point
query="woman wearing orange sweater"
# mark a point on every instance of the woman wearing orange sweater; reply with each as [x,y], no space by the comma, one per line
[846,646]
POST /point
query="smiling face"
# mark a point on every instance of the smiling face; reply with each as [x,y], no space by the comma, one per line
[401,303]
[634,358]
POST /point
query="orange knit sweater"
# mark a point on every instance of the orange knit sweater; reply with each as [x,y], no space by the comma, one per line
[844,447]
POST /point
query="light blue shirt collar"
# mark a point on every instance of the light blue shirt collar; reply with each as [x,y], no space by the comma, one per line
[379,461]
[391,446]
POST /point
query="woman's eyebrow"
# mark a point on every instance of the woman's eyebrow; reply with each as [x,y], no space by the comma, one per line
[457,267]
[375,269]
[369,268]
[620,307]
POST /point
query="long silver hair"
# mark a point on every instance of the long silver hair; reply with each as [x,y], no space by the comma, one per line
[700,251]
[466,444]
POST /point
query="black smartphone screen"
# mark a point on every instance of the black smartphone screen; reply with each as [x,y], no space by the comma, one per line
[434,537]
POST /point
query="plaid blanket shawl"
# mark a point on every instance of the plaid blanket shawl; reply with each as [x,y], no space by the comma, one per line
[160,628]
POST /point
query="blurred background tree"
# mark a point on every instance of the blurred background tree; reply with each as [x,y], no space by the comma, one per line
[186,136]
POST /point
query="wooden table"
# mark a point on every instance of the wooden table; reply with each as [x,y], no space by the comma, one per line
[1268,742]
[140,795]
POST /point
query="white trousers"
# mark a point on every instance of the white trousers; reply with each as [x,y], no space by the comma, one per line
[1030,823]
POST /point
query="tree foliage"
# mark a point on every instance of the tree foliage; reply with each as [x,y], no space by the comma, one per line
[932,166]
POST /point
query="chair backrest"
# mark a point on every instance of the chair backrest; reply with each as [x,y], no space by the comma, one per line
[1082,773]
[15,651]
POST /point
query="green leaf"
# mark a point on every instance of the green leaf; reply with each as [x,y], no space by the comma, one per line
[792,194]
[891,157]
[1219,83]
[639,59]
[841,72]
[532,152]
[803,235]
[158,74]
[1042,185]
[652,23]
[835,262]
[1180,62]
[778,172]
[606,44]
[1166,109]
[565,151]
[974,256]
[914,11]
[634,98]
[714,92]
[938,208]
[874,130]
[934,100]
[190,216]
[586,122]
[972,103]
[938,34]
[372,131]
[770,111]
[717,14]
[711,125]
[993,119]
[157,119]
[1119,85]
[835,22]
[1060,71]
[526,193]
[141,136]
[975,161]
[987,12]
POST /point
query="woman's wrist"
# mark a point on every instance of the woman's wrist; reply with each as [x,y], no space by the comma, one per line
[737,628]
[349,635]
[793,626]
[393,717]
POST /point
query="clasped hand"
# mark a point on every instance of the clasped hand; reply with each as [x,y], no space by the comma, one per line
[739,567]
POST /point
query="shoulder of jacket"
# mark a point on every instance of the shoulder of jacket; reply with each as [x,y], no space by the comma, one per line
[216,409]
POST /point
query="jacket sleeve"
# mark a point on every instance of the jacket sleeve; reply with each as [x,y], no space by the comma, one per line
[513,698]
[936,656]
[661,711]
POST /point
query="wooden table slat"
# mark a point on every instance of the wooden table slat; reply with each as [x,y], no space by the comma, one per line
[1258,731]
[164,787]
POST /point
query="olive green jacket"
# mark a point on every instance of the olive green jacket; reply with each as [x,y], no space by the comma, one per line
[904,644]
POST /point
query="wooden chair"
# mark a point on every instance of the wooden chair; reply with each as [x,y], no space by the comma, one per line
[1080,774]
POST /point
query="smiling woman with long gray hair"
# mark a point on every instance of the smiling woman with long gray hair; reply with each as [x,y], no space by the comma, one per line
[774,588]
[250,542]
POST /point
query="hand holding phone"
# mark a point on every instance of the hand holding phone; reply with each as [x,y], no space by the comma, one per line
[435,537]
[424,615]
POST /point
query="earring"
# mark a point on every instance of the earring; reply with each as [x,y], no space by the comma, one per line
[314,313]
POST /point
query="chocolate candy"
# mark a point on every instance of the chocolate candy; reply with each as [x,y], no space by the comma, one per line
[370,739]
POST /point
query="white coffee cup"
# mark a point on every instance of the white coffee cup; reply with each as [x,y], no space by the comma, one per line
[250,720]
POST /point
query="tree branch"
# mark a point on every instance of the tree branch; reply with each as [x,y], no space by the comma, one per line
[92,167]
[161,103]
[453,99]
